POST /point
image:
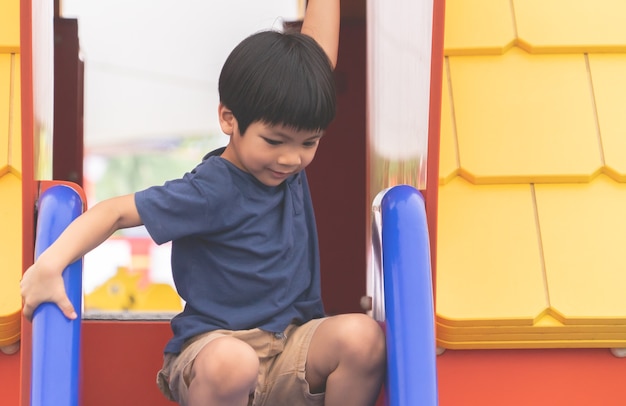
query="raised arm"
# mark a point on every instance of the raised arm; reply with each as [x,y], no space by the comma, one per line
[43,281]
[321,21]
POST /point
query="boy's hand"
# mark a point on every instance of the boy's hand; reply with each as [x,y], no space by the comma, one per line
[43,281]
[38,286]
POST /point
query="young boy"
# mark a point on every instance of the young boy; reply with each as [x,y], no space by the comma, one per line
[244,244]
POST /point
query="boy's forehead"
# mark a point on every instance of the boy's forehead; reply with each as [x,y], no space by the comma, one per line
[291,132]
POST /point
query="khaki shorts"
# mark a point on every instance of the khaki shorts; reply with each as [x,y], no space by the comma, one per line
[282,359]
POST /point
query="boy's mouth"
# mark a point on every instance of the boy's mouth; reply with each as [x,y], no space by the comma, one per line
[280,175]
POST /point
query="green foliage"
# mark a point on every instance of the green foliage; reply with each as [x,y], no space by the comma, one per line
[141,165]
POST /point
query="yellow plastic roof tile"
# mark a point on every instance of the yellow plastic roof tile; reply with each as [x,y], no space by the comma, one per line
[489,269]
[546,324]
[5,88]
[11,318]
[571,25]
[11,326]
[524,118]
[532,336]
[514,118]
[478,27]
[10,26]
[609,86]
[448,157]
[583,229]
[9,340]
[565,343]
[10,332]
[15,126]
[10,245]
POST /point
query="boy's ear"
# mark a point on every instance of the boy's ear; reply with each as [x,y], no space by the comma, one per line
[228,122]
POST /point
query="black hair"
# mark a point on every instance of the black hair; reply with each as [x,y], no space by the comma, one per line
[279,79]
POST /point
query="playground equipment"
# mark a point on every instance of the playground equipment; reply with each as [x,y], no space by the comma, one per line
[485,35]
[401,293]
[408,310]
[55,379]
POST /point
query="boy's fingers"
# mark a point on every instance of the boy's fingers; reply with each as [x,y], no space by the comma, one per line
[27,311]
[65,305]
[68,310]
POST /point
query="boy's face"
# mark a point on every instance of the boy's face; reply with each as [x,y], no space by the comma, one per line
[271,153]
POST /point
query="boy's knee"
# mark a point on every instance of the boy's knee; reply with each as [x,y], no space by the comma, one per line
[226,364]
[362,338]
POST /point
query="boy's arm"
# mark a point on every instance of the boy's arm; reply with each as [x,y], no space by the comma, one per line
[321,21]
[43,281]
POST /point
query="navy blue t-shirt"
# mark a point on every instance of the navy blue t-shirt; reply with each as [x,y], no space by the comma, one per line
[244,255]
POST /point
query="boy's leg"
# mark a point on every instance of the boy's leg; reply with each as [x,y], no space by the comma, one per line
[346,359]
[215,368]
[224,372]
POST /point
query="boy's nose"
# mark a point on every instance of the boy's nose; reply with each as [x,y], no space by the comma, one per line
[289,158]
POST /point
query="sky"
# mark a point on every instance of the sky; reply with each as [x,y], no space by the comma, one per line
[151,66]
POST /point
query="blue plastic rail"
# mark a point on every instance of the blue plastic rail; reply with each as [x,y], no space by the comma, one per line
[56,339]
[408,291]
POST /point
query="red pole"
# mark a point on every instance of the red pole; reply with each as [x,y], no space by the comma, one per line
[28,183]
[434,119]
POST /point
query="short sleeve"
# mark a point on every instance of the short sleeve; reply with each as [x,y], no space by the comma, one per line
[186,206]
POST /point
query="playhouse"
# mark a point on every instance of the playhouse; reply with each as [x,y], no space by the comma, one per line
[525,191]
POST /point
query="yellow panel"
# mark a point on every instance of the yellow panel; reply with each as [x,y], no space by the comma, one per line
[475,345]
[524,118]
[10,247]
[534,336]
[5,87]
[11,332]
[15,135]
[10,26]
[10,318]
[6,341]
[583,229]
[478,27]
[448,161]
[609,85]
[571,26]
[12,327]
[545,324]
[489,270]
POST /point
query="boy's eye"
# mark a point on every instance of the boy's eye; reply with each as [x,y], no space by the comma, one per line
[272,142]
[310,144]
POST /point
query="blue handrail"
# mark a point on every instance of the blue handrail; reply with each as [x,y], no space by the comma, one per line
[56,339]
[408,291]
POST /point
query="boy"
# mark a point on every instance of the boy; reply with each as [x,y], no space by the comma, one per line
[244,244]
